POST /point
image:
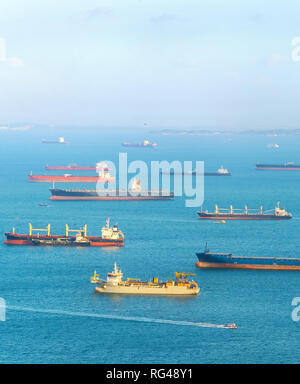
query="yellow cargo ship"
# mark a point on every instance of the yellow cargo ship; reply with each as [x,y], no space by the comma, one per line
[114,284]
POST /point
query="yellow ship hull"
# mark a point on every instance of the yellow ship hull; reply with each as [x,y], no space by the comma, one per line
[148,290]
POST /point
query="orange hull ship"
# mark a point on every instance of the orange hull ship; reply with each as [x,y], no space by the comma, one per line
[69,179]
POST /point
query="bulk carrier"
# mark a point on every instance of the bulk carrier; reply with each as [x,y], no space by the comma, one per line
[207,259]
[134,193]
[110,236]
[245,214]
[114,284]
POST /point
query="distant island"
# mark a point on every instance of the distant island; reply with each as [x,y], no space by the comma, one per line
[206,132]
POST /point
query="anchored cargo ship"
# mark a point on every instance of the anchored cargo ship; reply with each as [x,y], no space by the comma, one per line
[67,178]
[68,168]
[207,259]
[135,193]
[220,172]
[114,284]
[61,140]
[278,167]
[103,177]
[74,167]
[144,144]
[245,214]
[110,236]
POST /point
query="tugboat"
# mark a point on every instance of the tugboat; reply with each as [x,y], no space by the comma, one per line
[114,284]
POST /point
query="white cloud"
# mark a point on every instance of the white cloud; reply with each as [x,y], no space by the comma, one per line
[13,61]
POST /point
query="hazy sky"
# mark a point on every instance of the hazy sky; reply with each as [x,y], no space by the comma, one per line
[170,63]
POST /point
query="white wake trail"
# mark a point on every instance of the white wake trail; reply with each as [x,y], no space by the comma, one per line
[116,317]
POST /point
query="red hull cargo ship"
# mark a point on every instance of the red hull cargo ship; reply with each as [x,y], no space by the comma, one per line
[110,237]
[245,214]
[101,168]
[69,179]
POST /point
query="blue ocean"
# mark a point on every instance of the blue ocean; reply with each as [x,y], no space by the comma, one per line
[53,314]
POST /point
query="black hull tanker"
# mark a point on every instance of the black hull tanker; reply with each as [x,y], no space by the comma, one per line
[94,195]
[134,193]
[245,214]
[207,259]
[278,167]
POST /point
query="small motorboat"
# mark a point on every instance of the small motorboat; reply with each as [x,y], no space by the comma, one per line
[231,326]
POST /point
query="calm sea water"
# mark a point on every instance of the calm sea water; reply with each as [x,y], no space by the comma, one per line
[161,238]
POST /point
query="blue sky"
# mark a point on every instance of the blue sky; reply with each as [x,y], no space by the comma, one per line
[175,64]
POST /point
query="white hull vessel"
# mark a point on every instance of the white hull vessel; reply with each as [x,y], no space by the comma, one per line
[114,284]
[147,290]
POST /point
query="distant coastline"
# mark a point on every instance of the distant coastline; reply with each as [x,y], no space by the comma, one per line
[206,132]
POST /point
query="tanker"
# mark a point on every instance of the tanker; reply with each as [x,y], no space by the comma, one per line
[103,177]
[208,259]
[278,167]
[134,193]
